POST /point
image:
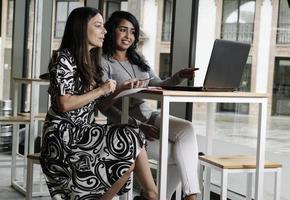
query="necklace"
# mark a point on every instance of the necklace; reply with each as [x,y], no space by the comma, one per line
[134,74]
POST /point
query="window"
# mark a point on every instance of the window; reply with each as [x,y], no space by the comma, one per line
[167,20]
[245,86]
[238,20]
[283,28]
[10,18]
[111,6]
[281,87]
[164,69]
[63,9]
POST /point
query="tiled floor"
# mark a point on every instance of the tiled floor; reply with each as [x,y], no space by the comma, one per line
[6,191]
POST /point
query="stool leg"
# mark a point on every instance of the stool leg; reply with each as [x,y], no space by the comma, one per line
[277,192]
[249,186]
[206,190]
[224,184]
[25,155]
[40,181]
[200,177]
[29,180]
[178,192]
[15,151]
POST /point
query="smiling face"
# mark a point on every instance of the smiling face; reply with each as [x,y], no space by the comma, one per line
[124,35]
[96,32]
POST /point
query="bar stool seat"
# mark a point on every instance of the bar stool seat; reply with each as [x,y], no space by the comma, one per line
[227,164]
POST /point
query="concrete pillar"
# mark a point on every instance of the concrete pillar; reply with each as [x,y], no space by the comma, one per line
[3,67]
[263,52]
[44,54]
[183,43]
[18,44]
[206,33]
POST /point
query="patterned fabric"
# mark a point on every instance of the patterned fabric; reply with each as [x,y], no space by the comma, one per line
[80,158]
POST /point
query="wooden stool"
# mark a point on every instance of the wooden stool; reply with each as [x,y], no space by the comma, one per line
[236,164]
[31,160]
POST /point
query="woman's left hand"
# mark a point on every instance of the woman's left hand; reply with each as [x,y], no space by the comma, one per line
[187,73]
[133,83]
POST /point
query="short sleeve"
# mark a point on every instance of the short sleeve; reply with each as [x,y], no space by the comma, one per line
[106,69]
[62,73]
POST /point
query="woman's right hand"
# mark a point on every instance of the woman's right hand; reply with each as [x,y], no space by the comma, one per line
[108,87]
[151,132]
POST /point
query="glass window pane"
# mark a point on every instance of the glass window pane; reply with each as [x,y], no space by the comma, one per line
[246,21]
[10,18]
[247,11]
[167,20]
[229,20]
[281,87]
[284,12]
[246,77]
[61,11]
[61,16]
[164,65]
[283,29]
[230,11]
[112,7]
[238,20]
[73,5]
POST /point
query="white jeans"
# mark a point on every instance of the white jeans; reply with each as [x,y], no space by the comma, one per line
[182,156]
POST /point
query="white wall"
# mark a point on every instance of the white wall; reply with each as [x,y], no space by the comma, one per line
[124,5]
[1,69]
[205,37]
[150,29]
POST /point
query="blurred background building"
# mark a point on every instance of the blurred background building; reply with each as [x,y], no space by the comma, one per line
[35,27]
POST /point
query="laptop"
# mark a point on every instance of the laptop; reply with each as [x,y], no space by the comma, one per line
[225,68]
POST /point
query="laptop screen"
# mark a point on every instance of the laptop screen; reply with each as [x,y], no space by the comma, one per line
[226,64]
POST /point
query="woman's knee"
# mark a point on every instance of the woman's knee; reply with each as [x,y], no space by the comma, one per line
[182,129]
[188,126]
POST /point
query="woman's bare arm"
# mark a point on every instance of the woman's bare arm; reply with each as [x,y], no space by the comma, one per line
[71,102]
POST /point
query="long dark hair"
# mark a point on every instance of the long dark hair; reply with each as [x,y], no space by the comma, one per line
[109,46]
[75,41]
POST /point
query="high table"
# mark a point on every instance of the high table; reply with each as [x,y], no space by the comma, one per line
[168,96]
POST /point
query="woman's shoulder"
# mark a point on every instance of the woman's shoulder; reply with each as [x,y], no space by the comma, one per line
[106,61]
[63,57]
[62,53]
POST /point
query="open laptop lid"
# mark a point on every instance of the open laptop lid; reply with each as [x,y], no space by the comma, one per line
[226,65]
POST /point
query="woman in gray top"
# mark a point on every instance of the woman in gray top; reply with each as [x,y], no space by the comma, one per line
[122,63]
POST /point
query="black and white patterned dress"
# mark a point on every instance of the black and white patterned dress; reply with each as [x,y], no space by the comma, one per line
[80,158]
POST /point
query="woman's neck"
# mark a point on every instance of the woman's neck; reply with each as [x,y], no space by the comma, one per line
[120,55]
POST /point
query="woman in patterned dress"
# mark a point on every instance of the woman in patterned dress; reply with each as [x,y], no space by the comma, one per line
[83,160]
